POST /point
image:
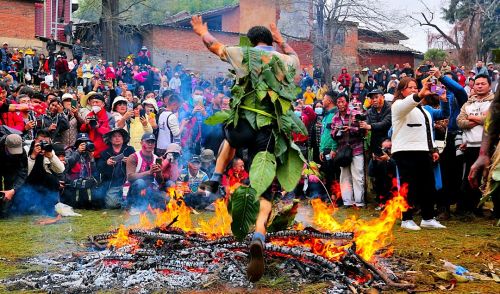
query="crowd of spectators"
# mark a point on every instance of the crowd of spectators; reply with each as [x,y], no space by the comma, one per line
[94,135]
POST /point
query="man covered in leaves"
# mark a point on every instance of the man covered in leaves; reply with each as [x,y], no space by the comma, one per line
[261,119]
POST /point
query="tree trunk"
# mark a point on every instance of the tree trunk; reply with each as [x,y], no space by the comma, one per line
[109,29]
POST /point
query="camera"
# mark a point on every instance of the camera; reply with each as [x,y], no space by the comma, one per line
[92,122]
[328,157]
[424,68]
[46,146]
[386,151]
[360,117]
[89,146]
[171,157]
[339,134]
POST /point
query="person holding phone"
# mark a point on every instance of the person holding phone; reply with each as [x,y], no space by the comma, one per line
[144,172]
[112,166]
[70,105]
[168,123]
[121,113]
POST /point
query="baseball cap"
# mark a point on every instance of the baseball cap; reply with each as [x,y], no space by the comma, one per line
[14,144]
[174,148]
[195,158]
[207,155]
[148,136]
[375,91]
[394,76]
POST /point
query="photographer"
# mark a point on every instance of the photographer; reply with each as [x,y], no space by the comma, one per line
[121,113]
[14,170]
[98,123]
[81,175]
[112,166]
[378,120]
[40,192]
[145,176]
[349,137]
[170,168]
[383,169]
[54,122]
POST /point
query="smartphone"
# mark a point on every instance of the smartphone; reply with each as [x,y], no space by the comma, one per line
[79,89]
[73,103]
[39,123]
[142,113]
[118,158]
[158,161]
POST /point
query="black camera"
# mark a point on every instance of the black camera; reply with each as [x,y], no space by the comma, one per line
[360,117]
[46,146]
[92,122]
[386,151]
[89,146]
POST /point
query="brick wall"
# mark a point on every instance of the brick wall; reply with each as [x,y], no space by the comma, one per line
[373,59]
[183,45]
[17,19]
[231,20]
[39,19]
[346,55]
[256,12]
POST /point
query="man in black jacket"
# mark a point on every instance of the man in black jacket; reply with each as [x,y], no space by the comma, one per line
[378,121]
[113,167]
[77,51]
[14,169]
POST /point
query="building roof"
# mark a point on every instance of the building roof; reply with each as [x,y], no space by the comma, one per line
[181,19]
[394,35]
[385,47]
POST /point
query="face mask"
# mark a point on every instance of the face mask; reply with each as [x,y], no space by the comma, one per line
[96,109]
[298,113]
[318,110]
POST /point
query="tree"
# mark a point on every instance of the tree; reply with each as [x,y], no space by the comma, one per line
[475,27]
[330,19]
[110,14]
[435,55]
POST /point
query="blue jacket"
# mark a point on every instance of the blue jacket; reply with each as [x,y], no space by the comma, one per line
[457,97]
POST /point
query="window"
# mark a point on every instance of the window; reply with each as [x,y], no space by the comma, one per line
[340,37]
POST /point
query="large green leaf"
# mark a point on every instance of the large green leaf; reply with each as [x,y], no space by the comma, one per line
[261,94]
[270,79]
[262,171]
[263,120]
[245,42]
[285,105]
[251,117]
[252,58]
[297,126]
[244,206]
[218,118]
[280,146]
[290,171]
[297,148]
[273,95]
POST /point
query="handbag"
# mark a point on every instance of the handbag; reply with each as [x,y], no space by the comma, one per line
[343,158]
[441,144]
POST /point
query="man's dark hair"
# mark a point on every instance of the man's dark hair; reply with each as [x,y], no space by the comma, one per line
[483,76]
[331,94]
[27,91]
[166,94]
[39,96]
[198,88]
[453,75]
[340,96]
[174,99]
[43,133]
[260,34]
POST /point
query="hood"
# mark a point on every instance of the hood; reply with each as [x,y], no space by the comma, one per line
[474,98]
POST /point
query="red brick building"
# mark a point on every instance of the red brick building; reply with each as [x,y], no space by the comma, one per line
[22,20]
[175,40]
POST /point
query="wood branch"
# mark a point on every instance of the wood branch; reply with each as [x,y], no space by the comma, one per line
[137,2]
[437,28]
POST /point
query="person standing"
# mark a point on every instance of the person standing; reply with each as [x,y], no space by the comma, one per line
[414,151]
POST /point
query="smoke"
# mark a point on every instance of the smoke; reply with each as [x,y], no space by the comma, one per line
[34,200]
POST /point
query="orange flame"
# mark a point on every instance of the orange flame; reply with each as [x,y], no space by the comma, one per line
[220,224]
[122,238]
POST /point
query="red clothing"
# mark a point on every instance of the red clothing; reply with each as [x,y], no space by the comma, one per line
[461,80]
[62,66]
[110,73]
[344,78]
[13,120]
[96,134]
[308,117]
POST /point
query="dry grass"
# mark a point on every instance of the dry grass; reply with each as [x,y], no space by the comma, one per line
[472,244]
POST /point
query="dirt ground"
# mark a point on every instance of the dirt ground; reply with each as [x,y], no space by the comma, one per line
[472,243]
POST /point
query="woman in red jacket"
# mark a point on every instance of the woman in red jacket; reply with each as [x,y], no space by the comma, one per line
[345,78]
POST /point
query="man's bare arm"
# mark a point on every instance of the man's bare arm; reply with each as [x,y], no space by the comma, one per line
[201,29]
[280,41]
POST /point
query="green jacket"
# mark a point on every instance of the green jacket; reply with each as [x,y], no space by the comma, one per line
[327,142]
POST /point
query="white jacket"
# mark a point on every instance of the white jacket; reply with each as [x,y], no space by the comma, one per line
[408,123]
[475,107]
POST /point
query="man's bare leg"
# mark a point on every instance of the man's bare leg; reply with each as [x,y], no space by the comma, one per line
[255,268]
